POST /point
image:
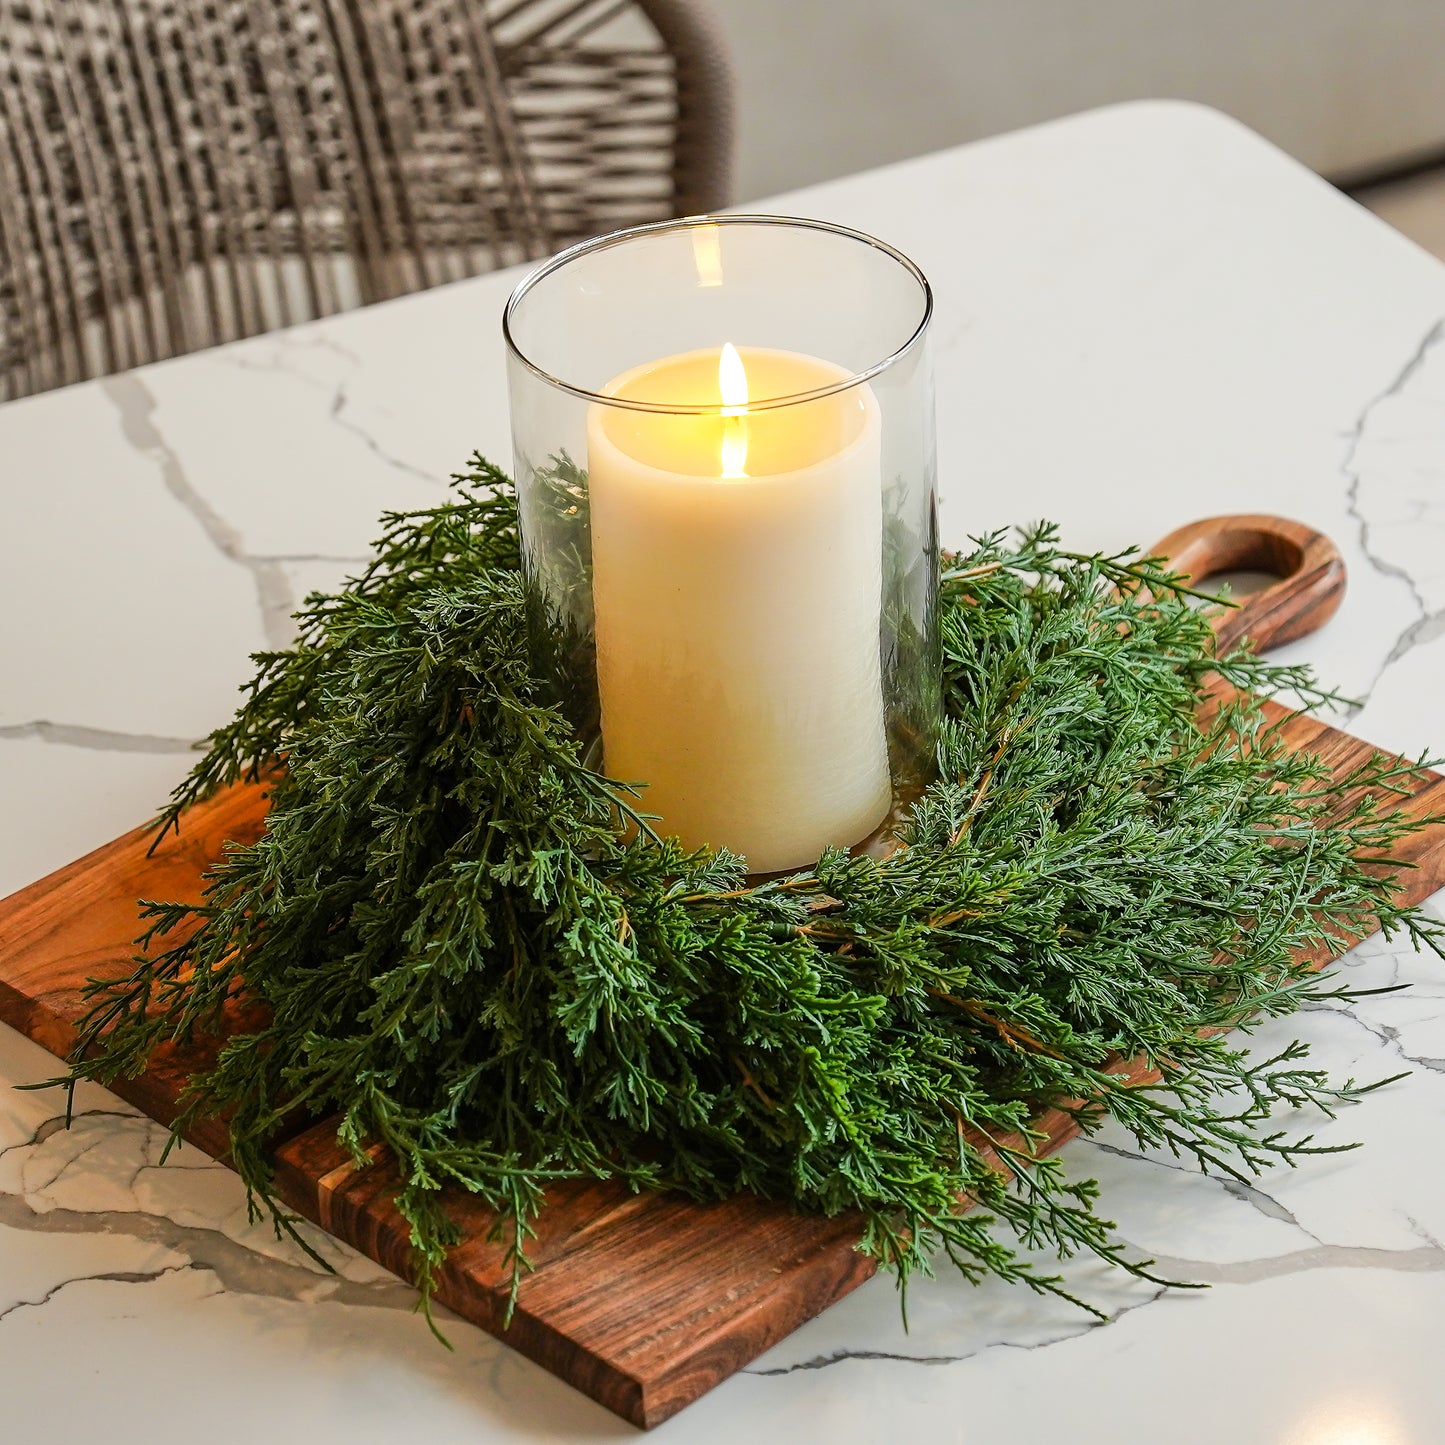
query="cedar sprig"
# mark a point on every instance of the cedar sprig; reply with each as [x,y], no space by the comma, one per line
[457,950]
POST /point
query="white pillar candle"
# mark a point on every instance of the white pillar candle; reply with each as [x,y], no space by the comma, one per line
[737,583]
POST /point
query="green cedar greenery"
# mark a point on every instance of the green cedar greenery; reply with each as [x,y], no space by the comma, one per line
[465,958]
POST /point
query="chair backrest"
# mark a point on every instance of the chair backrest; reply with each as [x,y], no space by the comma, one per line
[176,173]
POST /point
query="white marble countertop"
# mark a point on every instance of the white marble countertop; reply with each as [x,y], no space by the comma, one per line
[1145,315]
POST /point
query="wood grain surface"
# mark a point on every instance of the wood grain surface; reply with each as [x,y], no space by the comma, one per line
[82,921]
[644,1302]
[1309,568]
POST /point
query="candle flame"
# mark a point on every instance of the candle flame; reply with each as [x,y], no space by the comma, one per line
[732,380]
[732,383]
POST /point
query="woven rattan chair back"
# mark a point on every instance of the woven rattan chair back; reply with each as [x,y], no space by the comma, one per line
[176,173]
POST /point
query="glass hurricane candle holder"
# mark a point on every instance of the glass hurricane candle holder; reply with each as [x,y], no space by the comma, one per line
[724,452]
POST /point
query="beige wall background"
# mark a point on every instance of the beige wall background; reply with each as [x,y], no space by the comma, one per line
[832,86]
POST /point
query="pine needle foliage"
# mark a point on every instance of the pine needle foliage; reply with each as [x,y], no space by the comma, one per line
[466,958]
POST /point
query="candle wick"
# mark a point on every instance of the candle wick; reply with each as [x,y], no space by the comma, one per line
[734,447]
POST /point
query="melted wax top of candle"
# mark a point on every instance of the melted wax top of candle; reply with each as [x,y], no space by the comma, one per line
[777,439]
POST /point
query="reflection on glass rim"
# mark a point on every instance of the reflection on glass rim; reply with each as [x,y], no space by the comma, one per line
[685,223]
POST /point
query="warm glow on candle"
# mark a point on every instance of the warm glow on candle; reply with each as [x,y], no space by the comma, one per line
[732,385]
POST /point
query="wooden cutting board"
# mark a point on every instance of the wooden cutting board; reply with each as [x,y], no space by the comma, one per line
[644,1302]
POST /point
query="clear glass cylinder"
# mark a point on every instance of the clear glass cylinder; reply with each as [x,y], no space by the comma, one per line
[723,439]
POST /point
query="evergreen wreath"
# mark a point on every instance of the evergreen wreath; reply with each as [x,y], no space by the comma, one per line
[463,954]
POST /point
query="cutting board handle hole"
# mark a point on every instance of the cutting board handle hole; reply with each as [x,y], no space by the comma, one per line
[1241,582]
[1287,578]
